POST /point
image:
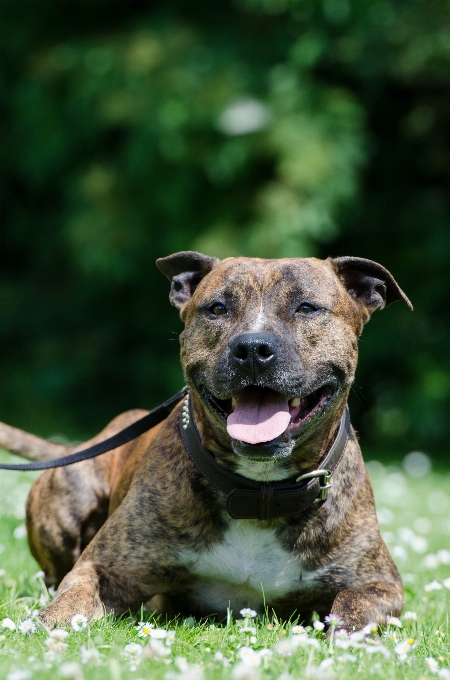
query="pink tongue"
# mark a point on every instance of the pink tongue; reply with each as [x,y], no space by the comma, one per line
[259,416]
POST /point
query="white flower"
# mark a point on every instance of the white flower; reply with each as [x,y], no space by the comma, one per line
[297,630]
[444,556]
[446,583]
[20,531]
[434,585]
[19,674]
[431,561]
[58,634]
[404,647]
[79,622]
[248,613]
[132,650]
[56,645]
[377,649]
[286,647]
[158,633]
[371,628]
[170,637]
[326,663]
[156,650]
[334,621]
[444,673]
[357,637]
[249,657]
[394,621]
[27,626]
[410,616]
[419,544]
[248,629]
[8,624]
[71,669]
[265,652]
[305,641]
[432,664]
[144,629]
[89,655]
[243,672]
[318,625]
[348,657]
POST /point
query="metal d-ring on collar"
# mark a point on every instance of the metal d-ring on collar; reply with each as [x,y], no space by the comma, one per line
[249,499]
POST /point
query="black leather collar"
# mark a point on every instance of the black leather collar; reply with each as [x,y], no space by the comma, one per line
[249,499]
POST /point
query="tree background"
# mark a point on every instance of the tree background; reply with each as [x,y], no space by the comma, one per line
[256,127]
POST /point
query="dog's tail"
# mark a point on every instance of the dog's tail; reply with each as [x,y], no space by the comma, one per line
[29,446]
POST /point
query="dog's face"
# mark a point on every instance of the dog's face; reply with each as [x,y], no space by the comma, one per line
[270,346]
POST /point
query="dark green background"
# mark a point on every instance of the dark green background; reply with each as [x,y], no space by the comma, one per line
[115,152]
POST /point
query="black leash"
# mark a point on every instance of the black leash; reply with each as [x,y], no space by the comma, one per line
[128,434]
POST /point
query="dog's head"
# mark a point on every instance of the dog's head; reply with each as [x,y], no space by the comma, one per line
[270,346]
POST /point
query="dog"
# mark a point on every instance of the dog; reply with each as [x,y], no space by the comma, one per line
[253,491]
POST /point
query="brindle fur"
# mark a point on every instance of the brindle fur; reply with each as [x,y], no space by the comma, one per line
[113,531]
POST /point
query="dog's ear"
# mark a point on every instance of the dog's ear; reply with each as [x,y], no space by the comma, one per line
[368,283]
[185,270]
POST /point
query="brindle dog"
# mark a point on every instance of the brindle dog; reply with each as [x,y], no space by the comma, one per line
[263,339]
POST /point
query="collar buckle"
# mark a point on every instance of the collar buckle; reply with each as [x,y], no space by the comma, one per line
[325,476]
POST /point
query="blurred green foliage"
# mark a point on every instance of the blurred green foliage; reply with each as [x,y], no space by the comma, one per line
[256,127]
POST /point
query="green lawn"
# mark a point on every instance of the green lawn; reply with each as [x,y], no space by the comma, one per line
[415,520]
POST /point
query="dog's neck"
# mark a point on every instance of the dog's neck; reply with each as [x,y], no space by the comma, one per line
[304,458]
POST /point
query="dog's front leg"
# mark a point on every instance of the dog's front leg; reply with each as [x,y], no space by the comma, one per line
[93,590]
[78,593]
[370,603]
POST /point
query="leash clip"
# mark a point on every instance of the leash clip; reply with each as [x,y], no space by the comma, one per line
[324,487]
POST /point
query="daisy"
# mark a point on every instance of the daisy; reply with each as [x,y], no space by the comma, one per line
[89,655]
[8,624]
[249,657]
[79,622]
[334,621]
[434,585]
[432,664]
[394,621]
[170,637]
[247,613]
[144,629]
[133,650]
[410,616]
[58,634]
[27,626]
[296,630]
[318,625]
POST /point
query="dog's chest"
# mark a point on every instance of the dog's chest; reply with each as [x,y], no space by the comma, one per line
[247,568]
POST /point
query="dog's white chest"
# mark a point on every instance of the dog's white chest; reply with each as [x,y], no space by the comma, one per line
[248,568]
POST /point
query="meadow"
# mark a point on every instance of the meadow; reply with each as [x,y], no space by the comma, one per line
[413,503]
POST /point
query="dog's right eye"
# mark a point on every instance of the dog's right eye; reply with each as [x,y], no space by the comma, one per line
[218,309]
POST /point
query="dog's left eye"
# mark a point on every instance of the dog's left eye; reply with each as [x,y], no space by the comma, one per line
[306,308]
[218,309]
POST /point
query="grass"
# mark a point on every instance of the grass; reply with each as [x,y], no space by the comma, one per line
[415,521]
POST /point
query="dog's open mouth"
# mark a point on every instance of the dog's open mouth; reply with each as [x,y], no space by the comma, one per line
[257,415]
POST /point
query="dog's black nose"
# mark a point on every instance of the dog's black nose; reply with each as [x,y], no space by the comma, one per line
[254,352]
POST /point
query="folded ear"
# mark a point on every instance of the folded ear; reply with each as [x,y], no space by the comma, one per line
[368,283]
[185,270]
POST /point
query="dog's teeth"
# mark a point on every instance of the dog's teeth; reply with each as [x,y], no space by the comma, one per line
[295,402]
